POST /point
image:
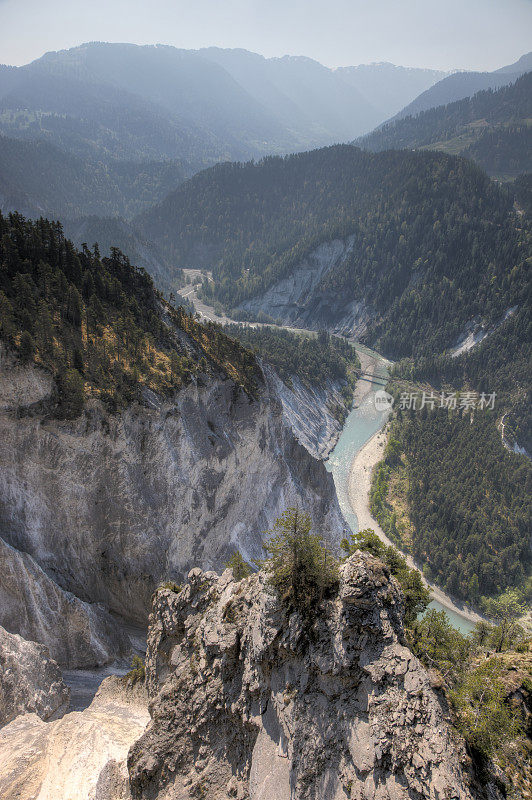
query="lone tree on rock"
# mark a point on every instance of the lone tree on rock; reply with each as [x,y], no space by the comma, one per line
[299,565]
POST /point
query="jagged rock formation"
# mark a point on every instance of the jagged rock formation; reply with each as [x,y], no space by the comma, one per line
[30,681]
[79,757]
[248,701]
[109,505]
[77,634]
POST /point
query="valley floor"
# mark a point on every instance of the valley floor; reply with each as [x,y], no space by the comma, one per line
[362,466]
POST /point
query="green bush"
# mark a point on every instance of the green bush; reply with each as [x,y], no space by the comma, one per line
[241,568]
[299,565]
[488,723]
[439,645]
[137,673]
[172,585]
[416,595]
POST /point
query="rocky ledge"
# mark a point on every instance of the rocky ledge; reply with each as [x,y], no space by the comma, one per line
[250,701]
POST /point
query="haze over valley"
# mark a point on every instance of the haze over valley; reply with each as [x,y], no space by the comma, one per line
[265,384]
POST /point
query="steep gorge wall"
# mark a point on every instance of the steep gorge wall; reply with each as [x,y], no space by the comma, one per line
[108,506]
[311,412]
[299,300]
[76,633]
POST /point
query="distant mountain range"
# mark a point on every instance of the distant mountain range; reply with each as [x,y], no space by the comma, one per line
[122,101]
[465,84]
[101,133]
[388,87]
[492,128]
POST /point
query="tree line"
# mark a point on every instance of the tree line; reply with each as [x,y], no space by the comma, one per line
[97,323]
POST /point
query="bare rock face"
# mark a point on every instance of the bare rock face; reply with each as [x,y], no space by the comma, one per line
[110,505]
[300,299]
[77,634]
[248,701]
[312,412]
[78,757]
[30,681]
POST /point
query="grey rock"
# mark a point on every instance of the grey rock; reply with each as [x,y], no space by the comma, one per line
[30,681]
[301,300]
[249,701]
[110,505]
[78,757]
[77,634]
[309,410]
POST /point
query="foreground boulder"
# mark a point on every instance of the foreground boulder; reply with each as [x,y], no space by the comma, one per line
[30,682]
[248,701]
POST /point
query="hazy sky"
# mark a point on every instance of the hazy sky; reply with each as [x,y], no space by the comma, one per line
[446,34]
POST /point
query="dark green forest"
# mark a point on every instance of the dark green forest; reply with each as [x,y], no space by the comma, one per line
[468,499]
[435,241]
[98,325]
[502,363]
[503,152]
[36,175]
[491,127]
[315,360]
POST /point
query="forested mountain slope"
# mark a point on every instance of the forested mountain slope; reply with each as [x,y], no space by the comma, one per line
[493,128]
[465,84]
[455,485]
[97,323]
[39,178]
[450,492]
[426,242]
[109,232]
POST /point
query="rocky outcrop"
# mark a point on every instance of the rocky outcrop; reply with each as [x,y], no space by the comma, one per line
[77,634]
[79,757]
[248,701]
[30,681]
[110,505]
[300,299]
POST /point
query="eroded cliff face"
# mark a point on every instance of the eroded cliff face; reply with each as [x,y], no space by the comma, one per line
[299,299]
[76,633]
[108,506]
[248,701]
[313,413]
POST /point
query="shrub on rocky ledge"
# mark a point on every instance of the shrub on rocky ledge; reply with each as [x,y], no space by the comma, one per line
[137,673]
[299,565]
